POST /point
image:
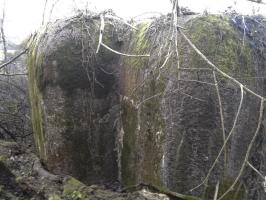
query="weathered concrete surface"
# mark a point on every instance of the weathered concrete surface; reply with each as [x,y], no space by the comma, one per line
[147,121]
[75,99]
[174,135]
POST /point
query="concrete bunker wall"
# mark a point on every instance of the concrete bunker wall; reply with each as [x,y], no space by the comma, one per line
[106,117]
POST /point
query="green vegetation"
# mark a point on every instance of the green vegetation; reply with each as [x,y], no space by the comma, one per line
[138,46]
[74,190]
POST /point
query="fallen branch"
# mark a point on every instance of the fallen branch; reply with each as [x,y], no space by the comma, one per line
[154,188]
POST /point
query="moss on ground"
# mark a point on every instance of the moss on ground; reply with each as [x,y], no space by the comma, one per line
[74,190]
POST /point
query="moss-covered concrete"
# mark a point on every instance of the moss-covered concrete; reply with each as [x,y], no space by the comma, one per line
[74,98]
[215,36]
[171,128]
[141,118]
[139,45]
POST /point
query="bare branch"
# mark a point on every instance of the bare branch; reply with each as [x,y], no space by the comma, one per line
[166,59]
[197,69]
[18,74]
[257,171]
[13,59]
[100,43]
[44,10]
[216,191]
[122,54]
[101,33]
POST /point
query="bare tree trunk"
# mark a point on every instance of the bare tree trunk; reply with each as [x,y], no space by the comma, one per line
[175,7]
[3,33]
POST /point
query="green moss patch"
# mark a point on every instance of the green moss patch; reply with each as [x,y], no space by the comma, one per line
[74,190]
[221,43]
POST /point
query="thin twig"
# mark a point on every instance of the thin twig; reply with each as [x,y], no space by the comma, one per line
[257,171]
[207,69]
[177,57]
[101,33]
[44,10]
[248,151]
[166,59]
[149,98]
[18,74]
[216,191]
[197,81]
[188,95]
[52,9]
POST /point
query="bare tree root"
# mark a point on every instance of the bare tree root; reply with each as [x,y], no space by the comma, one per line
[38,168]
[216,191]
[101,43]
[248,151]
[225,142]
[221,113]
